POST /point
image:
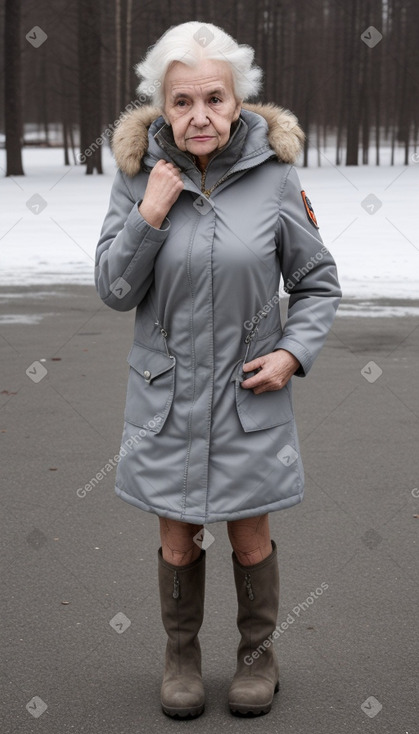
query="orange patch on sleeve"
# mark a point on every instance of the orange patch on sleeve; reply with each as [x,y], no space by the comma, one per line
[309,209]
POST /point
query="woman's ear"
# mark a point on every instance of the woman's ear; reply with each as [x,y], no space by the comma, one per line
[237,110]
[165,118]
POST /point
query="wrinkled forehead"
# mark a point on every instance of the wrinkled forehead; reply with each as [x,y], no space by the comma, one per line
[208,77]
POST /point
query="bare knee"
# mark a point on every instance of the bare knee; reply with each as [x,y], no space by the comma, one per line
[177,541]
[250,539]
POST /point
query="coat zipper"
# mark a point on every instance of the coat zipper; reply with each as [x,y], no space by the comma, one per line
[208,192]
[249,588]
[164,334]
[248,340]
[176,586]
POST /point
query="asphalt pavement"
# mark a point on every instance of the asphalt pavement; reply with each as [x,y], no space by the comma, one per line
[81,636]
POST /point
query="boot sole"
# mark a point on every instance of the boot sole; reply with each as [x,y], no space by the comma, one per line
[187,713]
[244,710]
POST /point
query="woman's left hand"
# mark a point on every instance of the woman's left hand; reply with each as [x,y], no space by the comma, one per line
[275,369]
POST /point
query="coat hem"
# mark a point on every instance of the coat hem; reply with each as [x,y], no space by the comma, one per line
[215,516]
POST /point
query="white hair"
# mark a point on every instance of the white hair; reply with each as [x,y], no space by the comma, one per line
[190,43]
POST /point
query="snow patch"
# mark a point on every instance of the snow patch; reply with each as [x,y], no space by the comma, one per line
[23,318]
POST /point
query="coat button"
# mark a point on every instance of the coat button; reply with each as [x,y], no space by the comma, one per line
[147,374]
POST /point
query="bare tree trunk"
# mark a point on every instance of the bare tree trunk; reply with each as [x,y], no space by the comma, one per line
[128,52]
[90,85]
[118,51]
[12,88]
[71,139]
[318,144]
[352,85]
[44,105]
[377,126]
[378,75]
[338,25]
[65,141]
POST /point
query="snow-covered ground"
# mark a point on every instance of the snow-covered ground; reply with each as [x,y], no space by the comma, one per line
[51,219]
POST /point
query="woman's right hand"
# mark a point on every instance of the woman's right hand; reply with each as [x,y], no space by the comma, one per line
[163,188]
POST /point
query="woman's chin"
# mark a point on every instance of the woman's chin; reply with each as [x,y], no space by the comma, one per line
[203,148]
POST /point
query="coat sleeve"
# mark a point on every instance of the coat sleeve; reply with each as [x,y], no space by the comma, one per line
[310,277]
[126,250]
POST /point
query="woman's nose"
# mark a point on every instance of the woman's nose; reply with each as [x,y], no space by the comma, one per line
[199,116]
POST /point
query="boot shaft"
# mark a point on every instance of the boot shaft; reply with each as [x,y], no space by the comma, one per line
[257,589]
[182,592]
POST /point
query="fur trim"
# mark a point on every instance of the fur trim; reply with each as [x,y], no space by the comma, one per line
[285,135]
[130,139]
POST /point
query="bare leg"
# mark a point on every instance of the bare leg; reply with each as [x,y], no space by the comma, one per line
[250,539]
[178,546]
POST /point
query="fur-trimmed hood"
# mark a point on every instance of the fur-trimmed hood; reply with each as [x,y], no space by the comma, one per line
[130,140]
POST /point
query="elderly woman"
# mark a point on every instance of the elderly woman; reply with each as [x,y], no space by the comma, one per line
[206,214]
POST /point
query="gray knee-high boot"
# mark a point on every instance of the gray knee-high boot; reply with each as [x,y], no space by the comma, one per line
[182,591]
[257,674]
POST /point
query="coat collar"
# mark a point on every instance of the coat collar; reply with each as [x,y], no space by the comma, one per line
[220,161]
[131,138]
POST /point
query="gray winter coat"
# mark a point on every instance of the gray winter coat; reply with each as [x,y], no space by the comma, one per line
[196,446]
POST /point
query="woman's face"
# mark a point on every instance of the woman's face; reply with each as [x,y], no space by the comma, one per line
[200,106]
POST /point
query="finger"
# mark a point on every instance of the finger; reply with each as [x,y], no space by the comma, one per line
[267,387]
[171,166]
[163,165]
[253,365]
[262,389]
[273,383]
[173,172]
[254,381]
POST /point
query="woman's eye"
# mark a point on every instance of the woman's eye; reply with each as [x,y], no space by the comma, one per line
[215,99]
[181,103]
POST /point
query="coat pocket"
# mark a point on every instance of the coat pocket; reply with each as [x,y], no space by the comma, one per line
[266,410]
[151,386]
